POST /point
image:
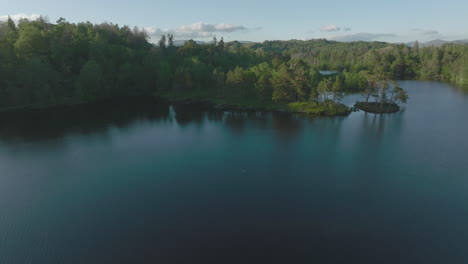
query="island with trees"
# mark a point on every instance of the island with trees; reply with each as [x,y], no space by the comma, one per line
[44,64]
[386,94]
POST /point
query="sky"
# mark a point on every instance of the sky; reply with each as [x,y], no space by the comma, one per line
[259,20]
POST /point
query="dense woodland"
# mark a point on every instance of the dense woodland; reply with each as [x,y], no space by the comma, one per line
[44,64]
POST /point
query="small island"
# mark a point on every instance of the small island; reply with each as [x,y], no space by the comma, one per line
[386,94]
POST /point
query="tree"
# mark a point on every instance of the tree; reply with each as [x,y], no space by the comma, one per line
[400,95]
[8,58]
[89,81]
[61,20]
[337,89]
[371,89]
[416,48]
[263,83]
[170,39]
[36,83]
[463,75]
[282,87]
[384,90]
[164,75]
[301,80]
[324,89]
[240,81]
[219,79]
[31,42]
[221,44]
[314,95]
[12,31]
[162,42]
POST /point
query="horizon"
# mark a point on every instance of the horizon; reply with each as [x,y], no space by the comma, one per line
[16,18]
[295,20]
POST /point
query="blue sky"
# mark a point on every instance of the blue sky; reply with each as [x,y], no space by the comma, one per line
[393,21]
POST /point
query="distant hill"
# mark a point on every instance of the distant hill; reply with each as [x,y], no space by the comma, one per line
[438,43]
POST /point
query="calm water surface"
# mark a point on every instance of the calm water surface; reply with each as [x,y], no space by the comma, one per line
[152,183]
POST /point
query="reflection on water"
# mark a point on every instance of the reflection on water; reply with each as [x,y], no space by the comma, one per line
[146,182]
[99,119]
[53,124]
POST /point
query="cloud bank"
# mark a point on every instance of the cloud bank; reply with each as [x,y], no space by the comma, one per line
[330,28]
[18,17]
[334,28]
[203,27]
[195,30]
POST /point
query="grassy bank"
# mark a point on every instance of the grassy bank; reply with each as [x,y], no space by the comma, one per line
[319,108]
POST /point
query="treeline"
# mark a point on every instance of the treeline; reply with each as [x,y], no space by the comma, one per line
[43,63]
[446,63]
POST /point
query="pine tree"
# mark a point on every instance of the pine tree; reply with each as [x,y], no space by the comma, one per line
[162,42]
[337,89]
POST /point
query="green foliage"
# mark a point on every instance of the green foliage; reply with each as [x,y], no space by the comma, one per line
[37,82]
[283,89]
[319,108]
[337,89]
[89,82]
[324,89]
[42,63]
[46,64]
[31,42]
[399,95]
[240,82]
[444,63]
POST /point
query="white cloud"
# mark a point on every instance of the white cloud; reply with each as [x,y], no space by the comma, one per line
[330,28]
[204,27]
[194,31]
[17,17]
[361,37]
[334,28]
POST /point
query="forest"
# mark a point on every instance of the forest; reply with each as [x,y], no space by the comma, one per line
[46,64]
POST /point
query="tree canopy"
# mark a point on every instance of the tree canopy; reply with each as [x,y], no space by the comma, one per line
[44,63]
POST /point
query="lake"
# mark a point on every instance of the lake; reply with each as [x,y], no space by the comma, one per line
[328,72]
[146,182]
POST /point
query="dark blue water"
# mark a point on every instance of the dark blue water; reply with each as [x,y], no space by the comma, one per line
[144,182]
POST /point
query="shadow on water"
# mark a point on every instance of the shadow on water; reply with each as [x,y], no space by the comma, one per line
[284,125]
[239,122]
[189,114]
[287,127]
[56,123]
[376,126]
[53,125]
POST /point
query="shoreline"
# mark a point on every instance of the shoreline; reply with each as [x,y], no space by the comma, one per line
[307,108]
